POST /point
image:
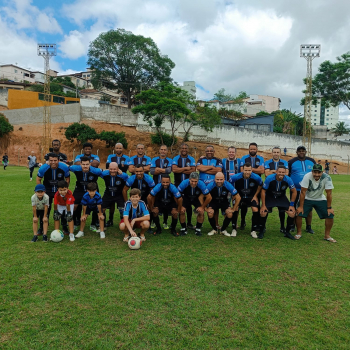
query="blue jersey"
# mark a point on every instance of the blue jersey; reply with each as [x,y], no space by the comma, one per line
[91,156]
[186,188]
[221,191]
[114,184]
[52,176]
[123,161]
[182,162]
[277,189]
[298,168]
[246,187]
[93,202]
[84,178]
[144,185]
[254,161]
[215,162]
[134,160]
[134,213]
[230,167]
[159,189]
[163,163]
[272,165]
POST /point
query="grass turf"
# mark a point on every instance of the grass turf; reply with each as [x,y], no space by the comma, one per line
[174,293]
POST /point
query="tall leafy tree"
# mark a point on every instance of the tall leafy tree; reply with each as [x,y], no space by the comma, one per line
[127,62]
[288,122]
[5,126]
[340,129]
[222,96]
[80,133]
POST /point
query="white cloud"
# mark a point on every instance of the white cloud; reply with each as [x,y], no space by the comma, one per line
[74,45]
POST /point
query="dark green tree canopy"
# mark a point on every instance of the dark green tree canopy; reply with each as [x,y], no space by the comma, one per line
[340,129]
[81,133]
[112,137]
[130,63]
[5,126]
[222,96]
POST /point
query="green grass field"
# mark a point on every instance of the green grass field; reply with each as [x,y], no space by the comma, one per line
[174,293]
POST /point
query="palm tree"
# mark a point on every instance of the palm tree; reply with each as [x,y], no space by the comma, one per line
[340,129]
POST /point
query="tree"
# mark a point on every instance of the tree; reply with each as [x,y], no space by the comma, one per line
[5,126]
[262,113]
[112,137]
[231,114]
[63,81]
[332,81]
[126,62]
[165,101]
[287,122]
[222,96]
[340,129]
[80,133]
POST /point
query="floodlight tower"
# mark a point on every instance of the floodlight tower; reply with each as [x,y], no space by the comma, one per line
[309,52]
[47,51]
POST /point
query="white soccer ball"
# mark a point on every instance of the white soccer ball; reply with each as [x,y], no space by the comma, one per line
[134,243]
[56,236]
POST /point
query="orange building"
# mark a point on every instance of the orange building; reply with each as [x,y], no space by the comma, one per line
[18,99]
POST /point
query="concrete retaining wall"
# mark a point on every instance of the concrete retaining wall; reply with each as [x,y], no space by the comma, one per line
[3,97]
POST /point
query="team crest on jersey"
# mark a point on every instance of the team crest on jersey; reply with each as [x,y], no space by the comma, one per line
[257,162]
[122,162]
[197,192]
[251,184]
[59,175]
[118,183]
[309,167]
[224,193]
[188,164]
[283,187]
[91,178]
[144,185]
[144,162]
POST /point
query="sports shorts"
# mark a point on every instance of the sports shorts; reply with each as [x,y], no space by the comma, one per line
[319,206]
[187,202]
[90,210]
[78,196]
[107,201]
[282,203]
[247,202]
[63,209]
[165,208]
[136,225]
[222,205]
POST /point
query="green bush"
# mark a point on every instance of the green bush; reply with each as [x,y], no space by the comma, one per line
[81,133]
[112,137]
[5,126]
[156,139]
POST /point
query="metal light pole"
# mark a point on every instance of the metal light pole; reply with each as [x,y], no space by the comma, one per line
[309,52]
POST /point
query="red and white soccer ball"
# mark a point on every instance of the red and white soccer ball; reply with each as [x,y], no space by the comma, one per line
[134,243]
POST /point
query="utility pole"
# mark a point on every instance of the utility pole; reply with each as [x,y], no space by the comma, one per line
[47,51]
[309,52]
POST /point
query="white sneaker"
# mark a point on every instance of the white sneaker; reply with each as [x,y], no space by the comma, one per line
[79,234]
[102,235]
[234,233]
[225,233]
[253,234]
[212,233]
[71,237]
[98,230]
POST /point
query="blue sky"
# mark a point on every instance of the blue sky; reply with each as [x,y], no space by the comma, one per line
[242,45]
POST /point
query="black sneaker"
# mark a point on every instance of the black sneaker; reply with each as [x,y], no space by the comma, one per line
[44,238]
[309,229]
[65,231]
[243,225]
[150,230]
[282,230]
[183,232]
[174,233]
[191,227]
[198,232]
[288,235]
[34,239]
[292,229]
[40,231]
[109,223]
[261,235]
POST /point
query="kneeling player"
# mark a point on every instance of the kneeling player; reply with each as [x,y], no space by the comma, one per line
[165,198]
[219,190]
[135,216]
[193,191]
[64,206]
[273,194]
[91,202]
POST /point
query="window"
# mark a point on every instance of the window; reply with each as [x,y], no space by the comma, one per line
[88,75]
[58,99]
[314,123]
[41,97]
[15,70]
[327,115]
[315,115]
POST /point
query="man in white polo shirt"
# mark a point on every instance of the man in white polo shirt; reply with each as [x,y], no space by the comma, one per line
[313,185]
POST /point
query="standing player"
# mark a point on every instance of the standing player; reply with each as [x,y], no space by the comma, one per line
[183,166]
[248,186]
[326,168]
[161,165]
[298,167]
[121,159]
[40,206]
[209,165]
[165,198]
[115,181]
[231,164]
[31,164]
[311,196]
[56,146]
[136,215]
[85,173]
[5,160]
[218,189]
[87,153]
[273,194]
[51,173]
[193,191]
[271,165]
[141,159]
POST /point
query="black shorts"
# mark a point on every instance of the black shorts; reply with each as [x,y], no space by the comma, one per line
[78,196]
[40,214]
[90,210]
[282,203]
[165,208]
[187,202]
[247,202]
[222,205]
[107,201]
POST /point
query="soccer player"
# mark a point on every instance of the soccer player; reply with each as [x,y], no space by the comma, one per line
[271,165]
[313,186]
[193,191]
[141,181]
[218,189]
[141,159]
[161,165]
[183,166]
[135,216]
[254,159]
[40,205]
[115,181]
[298,167]
[326,168]
[85,173]
[50,174]
[231,164]
[56,146]
[87,153]
[91,202]
[273,194]
[5,160]
[165,198]
[64,206]
[209,165]
[248,186]
[31,164]
[121,159]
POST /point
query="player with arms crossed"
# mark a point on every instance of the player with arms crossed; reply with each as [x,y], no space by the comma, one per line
[219,190]
[56,146]
[311,196]
[136,215]
[193,191]
[209,165]
[87,153]
[273,194]
[141,159]
[271,165]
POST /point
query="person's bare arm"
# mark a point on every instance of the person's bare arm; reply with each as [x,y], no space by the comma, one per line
[207,200]
[38,180]
[77,163]
[35,218]
[150,202]
[329,202]
[100,212]
[45,219]
[95,163]
[158,171]
[269,172]
[125,193]
[301,200]
[132,168]
[205,168]
[259,170]
[179,204]
[143,218]
[255,198]
[237,199]
[263,206]
[68,180]
[128,226]
[185,170]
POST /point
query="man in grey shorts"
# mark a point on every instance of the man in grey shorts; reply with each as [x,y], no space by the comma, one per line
[31,164]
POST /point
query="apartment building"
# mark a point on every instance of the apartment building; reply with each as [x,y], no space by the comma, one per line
[321,115]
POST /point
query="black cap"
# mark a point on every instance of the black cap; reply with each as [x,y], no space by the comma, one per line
[301,147]
[317,167]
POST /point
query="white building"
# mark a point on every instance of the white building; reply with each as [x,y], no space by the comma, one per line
[190,87]
[324,116]
[16,74]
